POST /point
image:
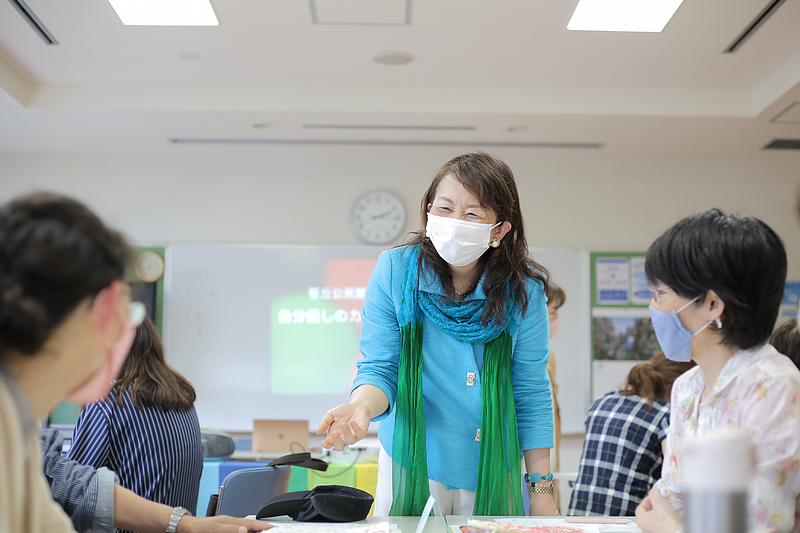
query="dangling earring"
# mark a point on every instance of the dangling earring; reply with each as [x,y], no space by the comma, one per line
[494,243]
[719,323]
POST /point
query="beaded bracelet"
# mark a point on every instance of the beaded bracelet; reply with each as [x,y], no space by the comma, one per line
[536,478]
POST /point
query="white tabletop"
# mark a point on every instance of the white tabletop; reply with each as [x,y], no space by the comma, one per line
[592,525]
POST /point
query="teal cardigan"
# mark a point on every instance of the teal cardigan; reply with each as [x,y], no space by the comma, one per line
[453,407]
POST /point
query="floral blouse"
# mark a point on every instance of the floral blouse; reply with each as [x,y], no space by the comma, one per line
[758,391]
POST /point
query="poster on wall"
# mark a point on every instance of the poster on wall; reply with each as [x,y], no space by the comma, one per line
[626,336]
[640,288]
[791,299]
[612,278]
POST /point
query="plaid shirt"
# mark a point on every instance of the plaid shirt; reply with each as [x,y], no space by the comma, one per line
[621,456]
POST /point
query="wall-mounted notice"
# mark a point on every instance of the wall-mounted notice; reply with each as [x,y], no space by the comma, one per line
[791,299]
[612,280]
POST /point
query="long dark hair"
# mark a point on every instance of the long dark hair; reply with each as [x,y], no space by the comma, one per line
[54,253]
[506,267]
[151,381]
[654,379]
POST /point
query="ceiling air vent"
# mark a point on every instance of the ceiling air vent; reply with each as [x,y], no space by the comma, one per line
[783,144]
[332,142]
[34,22]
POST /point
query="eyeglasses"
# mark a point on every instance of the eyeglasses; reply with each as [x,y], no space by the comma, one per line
[657,293]
[136,313]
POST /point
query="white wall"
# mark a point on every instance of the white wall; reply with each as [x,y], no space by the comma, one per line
[302,194]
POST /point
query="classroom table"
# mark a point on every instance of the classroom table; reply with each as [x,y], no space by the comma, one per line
[451,523]
[455,521]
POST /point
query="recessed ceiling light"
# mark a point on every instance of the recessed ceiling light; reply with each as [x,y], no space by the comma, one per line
[623,15]
[392,57]
[165,12]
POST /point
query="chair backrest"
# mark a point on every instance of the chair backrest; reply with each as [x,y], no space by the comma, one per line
[243,492]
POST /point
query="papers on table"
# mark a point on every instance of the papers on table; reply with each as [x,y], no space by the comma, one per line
[629,527]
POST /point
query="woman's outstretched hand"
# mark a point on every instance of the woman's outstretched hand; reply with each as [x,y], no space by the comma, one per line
[346,424]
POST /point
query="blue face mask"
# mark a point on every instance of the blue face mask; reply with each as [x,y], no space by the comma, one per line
[672,335]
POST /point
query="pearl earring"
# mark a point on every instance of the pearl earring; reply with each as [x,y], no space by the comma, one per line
[494,243]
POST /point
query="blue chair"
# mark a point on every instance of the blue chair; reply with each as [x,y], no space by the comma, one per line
[243,492]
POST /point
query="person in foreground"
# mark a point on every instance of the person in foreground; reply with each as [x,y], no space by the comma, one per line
[146,430]
[455,345]
[66,325]
[625,435]
[717,283]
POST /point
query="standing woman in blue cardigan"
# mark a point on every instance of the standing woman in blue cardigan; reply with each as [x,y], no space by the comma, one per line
[146,430]
[455,346]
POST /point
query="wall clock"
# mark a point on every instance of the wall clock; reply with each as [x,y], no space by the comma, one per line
[149,266]
[378,217]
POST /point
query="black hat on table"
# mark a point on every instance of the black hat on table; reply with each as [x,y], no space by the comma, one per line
[324,503]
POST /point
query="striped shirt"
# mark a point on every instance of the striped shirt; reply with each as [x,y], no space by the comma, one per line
[156,454]
[622,455]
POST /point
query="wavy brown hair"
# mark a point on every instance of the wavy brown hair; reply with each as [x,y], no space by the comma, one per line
[509,265]
[786,339]
[151,381]
[556,296]
[654,379]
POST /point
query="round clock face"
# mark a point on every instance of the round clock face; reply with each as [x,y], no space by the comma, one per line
[149,266]
[378,217]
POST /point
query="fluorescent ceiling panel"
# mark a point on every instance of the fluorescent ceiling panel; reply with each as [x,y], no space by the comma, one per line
[165,12]
[623,15]
[368,12]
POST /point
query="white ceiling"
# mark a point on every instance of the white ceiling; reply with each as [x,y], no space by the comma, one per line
[481,69]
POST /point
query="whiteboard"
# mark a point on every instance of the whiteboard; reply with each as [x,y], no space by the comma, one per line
[271,332]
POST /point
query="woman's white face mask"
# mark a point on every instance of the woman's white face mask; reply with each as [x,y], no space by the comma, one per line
[458,242]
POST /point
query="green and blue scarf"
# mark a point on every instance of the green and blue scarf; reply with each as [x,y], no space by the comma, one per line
[499,473]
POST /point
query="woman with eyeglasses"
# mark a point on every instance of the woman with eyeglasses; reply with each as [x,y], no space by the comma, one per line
[146,429]
[455,344]
[717,283]
[66,326]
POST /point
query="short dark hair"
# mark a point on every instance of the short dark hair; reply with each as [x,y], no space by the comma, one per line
[740,258]
[54,253]
[786,339]
[151,381]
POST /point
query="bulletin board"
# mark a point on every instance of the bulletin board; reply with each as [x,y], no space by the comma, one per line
[271,332]
[622,333]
